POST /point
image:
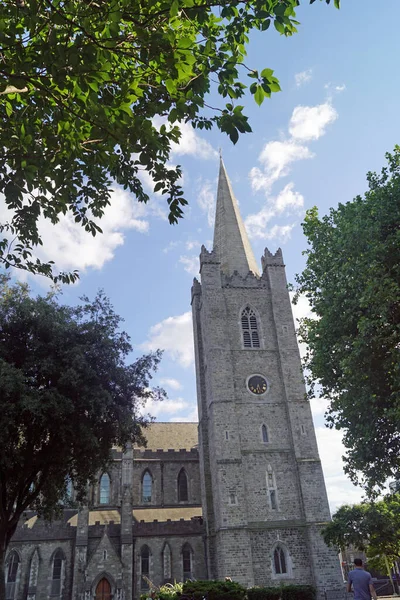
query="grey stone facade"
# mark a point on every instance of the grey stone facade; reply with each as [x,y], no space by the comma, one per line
[251,469]
[264,498]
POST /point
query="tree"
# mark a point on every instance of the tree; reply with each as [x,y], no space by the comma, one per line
[67,396]
[81,84]
[370,527]
[352,281]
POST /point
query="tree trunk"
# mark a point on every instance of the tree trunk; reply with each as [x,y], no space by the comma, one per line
[3,548]
[389,572]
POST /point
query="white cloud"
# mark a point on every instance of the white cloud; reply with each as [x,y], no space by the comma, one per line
[288,202]
[256,224]
[280,232]
[169,382]
[170,246]
[191,244]
[169,407]
[71,247]
[310,122]
[303,77]
[190,264]
[276,158]
[175,336]
[192,144]
[306,123]
[206,200]
[340,489]
[190,417]
[338,89]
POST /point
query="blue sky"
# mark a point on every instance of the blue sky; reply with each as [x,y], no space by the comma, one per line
[312,144]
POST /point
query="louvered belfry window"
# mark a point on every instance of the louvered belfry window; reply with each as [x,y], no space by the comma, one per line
[251,338]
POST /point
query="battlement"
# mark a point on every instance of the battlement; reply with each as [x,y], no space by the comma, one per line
[196,288]
[167,454]
[272,260]
[239,281]
[193,526]
[209,257]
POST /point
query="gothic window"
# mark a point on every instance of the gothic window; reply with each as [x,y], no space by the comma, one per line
[167,562]
[105,487]
[280,562]
[144,567]
[147,484]
[34,569]
[103,590]
[250,333]
[187,562]
[183,495]
[264,434]
[271,490]
[11,575]
[57,574]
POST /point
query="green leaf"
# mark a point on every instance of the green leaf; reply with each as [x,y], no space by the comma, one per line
[267,73]
[259,95]
[171,86]
[173,11]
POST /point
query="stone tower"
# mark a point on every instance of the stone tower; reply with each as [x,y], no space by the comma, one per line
[263,491]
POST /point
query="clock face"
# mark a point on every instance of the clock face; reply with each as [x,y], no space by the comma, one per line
[257,384]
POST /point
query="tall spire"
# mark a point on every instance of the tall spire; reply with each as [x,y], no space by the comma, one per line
[230,237]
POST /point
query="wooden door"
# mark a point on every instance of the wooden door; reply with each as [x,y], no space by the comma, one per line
[103,590]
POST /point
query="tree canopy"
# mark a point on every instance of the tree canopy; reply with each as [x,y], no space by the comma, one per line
[67,396]
[81,84]
[352,281]
[370,527]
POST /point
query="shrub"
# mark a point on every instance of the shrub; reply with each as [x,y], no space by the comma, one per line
[215,590]
[298,592]
[284,592]
[264,593]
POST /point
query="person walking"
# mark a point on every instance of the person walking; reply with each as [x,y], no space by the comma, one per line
[361,581]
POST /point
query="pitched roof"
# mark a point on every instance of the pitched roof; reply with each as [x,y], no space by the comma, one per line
[148,515]
[231,243]
[171,436]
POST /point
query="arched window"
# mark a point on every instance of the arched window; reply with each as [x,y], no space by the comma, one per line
[183,495]
[248,319]
[12,567]
[103,590]
[57,574]
[105,486]
[34,569]
[280,562]
[167,563]
[264,434]
[144,567]
[187,562]
[271,490]
[147,484]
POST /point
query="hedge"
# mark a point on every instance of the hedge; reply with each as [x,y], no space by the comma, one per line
[214,590]
[230,590]
[284,592]
[264,593]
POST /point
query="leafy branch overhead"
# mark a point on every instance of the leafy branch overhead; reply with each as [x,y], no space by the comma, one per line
[81,84]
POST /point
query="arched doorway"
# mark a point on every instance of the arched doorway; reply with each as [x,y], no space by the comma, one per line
[103,590]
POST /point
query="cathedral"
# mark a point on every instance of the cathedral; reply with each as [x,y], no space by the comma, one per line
[239,494]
